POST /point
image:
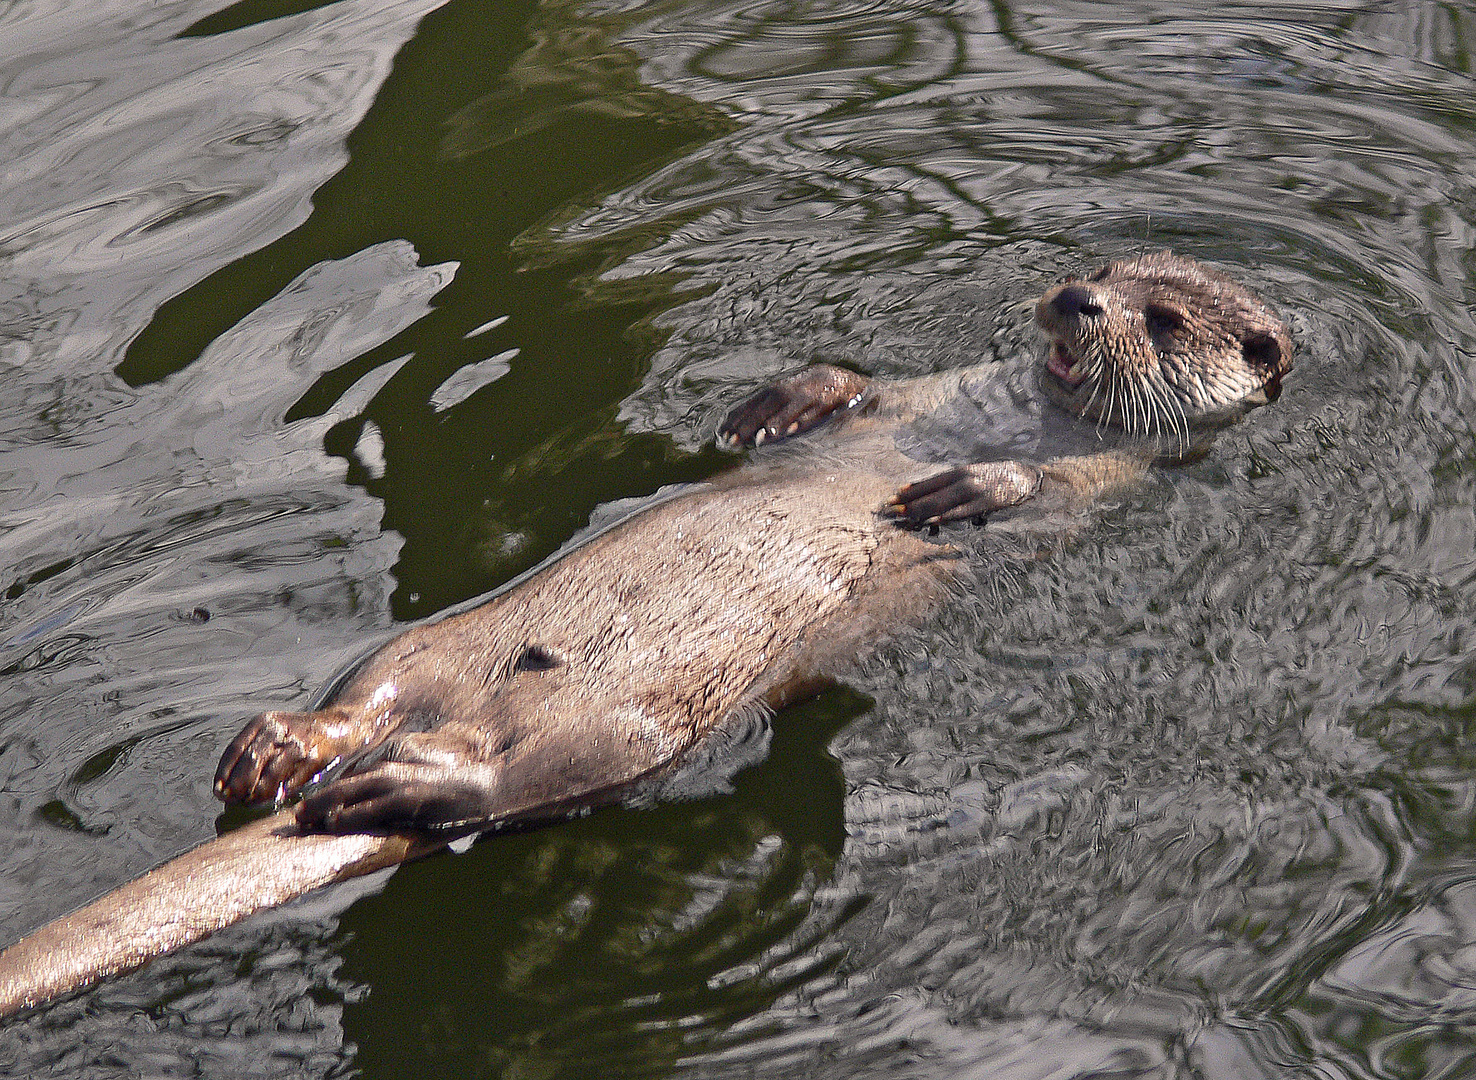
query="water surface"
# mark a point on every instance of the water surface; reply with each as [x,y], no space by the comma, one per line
[319,318]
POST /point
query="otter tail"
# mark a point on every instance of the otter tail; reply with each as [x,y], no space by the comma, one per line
[204,890]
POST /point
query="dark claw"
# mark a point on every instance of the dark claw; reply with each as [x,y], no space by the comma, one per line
[360,803]
[932,500]
[792,406]
[747,424]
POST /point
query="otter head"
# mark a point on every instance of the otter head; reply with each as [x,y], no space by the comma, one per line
[1161,347]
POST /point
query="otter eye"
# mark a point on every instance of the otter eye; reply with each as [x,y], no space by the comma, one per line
[1100,274]
[537,658]
[1162,320]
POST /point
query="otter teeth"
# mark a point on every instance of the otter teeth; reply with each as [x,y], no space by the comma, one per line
[1064,366]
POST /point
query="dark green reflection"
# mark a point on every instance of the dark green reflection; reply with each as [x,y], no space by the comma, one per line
[248,13]
[611,945]
[474,138]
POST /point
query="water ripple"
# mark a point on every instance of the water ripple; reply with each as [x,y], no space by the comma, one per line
[164,163]
[228,516]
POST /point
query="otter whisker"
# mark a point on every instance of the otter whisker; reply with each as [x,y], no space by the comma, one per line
[1141,416]
[1169,416]
[1104,418]
[1151,394]
[1133,419]
[1125,400]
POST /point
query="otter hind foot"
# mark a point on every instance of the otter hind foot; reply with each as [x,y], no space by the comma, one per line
[396,795]
[279,753]
[963,492]
[792,406]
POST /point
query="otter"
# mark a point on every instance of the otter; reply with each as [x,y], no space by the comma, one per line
[606,668]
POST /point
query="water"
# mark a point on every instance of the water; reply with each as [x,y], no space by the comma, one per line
[318,318]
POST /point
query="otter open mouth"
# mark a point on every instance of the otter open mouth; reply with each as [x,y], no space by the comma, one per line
[1061,364]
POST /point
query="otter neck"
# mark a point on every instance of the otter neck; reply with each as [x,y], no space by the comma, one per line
[1191,442]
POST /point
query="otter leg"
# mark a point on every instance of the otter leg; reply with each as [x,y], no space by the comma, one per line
[791,406]
[966,491]
[401,795]
[459,780]
[279,753]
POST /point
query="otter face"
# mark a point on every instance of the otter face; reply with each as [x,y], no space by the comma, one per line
[1160,345]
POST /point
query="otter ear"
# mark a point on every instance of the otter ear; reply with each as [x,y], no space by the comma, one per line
[1265,351]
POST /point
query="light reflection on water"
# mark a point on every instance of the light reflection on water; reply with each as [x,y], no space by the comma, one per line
[1190,796]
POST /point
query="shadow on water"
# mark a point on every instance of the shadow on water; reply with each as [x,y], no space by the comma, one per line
[248,13]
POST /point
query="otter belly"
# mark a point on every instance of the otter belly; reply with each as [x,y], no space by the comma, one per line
[605,667]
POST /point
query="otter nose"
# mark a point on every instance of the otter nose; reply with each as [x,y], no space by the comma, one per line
[1075,301]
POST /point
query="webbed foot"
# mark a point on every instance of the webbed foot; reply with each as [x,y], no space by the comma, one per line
[792,406]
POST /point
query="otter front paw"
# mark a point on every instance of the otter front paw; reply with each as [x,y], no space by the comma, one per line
[963,492]
[792,406]
[390,797]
